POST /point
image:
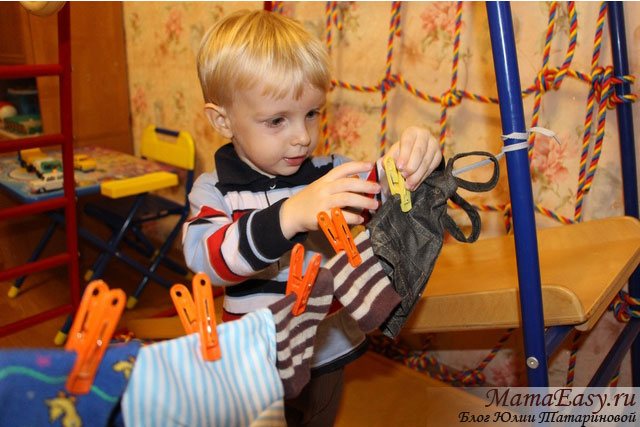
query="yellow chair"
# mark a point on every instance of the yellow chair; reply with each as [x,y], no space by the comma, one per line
[168,147]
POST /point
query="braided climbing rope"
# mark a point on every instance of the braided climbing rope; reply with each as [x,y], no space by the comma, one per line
[420,360]
[601,81]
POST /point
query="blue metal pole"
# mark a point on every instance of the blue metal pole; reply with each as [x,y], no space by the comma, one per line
[511,111]
[615,11]
[555,336]
[611,363]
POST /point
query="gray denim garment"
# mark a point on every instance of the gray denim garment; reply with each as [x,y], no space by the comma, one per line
[408,244]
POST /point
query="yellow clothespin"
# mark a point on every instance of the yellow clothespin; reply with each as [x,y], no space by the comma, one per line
[396,184]
[299,284]
[185,307]
[205,313]
[339,235]
[93,326]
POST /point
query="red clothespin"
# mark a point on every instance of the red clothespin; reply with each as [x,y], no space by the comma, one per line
[339,235]
[185,307]
[91,331]
[206,317]
[299,284]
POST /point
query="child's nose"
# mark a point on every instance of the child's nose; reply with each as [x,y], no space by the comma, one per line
[302,136]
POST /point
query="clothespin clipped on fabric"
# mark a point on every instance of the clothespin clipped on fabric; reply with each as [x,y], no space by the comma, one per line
[298,283]
[185,307]
[206,317]
[92,328]
[339,235]
[396,184]
[197,314]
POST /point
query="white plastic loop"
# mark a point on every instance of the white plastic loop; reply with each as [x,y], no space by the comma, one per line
[524,144]
[516,135]
[513,147]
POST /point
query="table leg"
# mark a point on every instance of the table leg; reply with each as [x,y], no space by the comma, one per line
[157,259]
[101,263]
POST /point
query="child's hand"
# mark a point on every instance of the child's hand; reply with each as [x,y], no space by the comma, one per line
[417,154]
[338,188]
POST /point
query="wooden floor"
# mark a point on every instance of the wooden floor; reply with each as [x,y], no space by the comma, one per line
[50,289]
[381,393]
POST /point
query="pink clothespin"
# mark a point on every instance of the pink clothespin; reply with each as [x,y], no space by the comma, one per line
[339,235]
[93,326]
[298,283]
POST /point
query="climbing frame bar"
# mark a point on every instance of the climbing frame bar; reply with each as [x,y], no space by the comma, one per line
[624,112]
[521,192]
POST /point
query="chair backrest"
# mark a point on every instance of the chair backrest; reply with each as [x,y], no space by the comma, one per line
[179,152]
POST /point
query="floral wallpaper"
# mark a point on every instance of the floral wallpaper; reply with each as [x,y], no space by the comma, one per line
[409,52]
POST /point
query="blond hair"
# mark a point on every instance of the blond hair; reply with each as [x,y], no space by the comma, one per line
[250,47]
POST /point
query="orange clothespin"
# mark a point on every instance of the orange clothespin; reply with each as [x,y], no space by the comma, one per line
[396,184]
[299,284]
[206,318]
[339,235]
[185,307]
[93,326]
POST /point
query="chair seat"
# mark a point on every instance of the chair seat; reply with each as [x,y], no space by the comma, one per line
[115,211]
[582,267]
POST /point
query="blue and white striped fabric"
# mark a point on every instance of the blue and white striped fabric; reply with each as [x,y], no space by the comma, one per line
[172,385]
[273,416]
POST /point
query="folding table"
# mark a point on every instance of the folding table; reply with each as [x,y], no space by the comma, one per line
[127,174]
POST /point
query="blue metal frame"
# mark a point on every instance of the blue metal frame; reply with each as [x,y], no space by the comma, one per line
[555,336]
[624,111]
[511,111]
[611,363]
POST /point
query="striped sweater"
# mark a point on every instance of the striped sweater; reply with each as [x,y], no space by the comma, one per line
[234,236]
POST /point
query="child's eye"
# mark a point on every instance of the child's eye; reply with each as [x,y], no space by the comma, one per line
[313,114]
[275,122]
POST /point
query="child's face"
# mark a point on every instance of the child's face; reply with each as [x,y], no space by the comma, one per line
[274,136]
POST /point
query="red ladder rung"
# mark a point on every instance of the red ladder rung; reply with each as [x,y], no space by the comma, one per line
[33,208]
[34,267]
[32,142]
[22,71]
[35,319]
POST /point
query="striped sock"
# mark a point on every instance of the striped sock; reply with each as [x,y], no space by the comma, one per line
[365,291]
[295,335]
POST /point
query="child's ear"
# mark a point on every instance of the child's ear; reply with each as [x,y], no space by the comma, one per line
[218,118]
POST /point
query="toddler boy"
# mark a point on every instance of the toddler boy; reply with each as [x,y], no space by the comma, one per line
[265,81]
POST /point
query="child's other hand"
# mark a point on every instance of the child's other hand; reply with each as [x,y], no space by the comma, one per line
[338,188]
[417,154]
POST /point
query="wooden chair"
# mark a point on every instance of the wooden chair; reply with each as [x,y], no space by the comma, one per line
[172,148]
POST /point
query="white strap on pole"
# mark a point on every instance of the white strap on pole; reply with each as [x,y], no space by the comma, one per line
[522,145]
